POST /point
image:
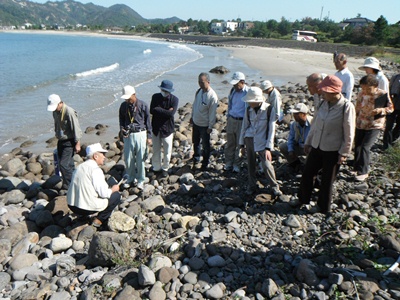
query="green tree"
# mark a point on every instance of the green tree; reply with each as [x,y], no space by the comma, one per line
[284,27]
[381,31]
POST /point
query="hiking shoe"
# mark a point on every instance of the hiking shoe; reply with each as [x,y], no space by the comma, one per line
[96,223]
[361,177]
[140,186]
[126,186]
[236,169]
[276,191]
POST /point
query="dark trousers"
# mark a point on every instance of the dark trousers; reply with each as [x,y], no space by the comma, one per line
[363,142]
[200,134]
[317,160]
[66,151]
[103,216]
[390,135]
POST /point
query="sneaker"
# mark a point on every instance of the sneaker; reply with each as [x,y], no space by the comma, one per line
[126,186]
[276,191]
[228,168]
[96,223]
[236,169]
[140,186]
[361,177]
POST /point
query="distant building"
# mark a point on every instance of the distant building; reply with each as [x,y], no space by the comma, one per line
[246,25]
[355,22]
[224,27]
[183,30]
[27,25]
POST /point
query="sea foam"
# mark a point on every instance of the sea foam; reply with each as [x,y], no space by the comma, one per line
[146,51]
[98,70]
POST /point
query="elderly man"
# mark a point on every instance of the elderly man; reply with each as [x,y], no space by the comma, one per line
[163,108]
[344,74]
[236,109]
[299,130]
[273,97]
[257,138]
[89,192]
[312,83]
[68,133]
[135,126]
[203,119]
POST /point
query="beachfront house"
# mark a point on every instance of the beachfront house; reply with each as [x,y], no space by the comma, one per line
[245,25]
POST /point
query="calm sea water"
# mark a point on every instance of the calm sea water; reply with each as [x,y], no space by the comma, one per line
[88,72]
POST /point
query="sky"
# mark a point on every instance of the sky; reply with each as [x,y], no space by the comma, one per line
[259,10]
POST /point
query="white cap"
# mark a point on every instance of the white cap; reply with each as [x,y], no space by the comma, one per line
[265,85]
[92,149]
[254,95]
[236,77]
[52,102]
[299,108]
[127,92]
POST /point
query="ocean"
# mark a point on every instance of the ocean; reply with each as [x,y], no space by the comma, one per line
[88,72]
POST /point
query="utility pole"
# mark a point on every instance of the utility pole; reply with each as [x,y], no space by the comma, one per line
[322,9]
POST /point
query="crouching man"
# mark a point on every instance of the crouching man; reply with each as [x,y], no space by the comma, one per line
[89,192]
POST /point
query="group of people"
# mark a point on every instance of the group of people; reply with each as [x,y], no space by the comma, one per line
[252,115]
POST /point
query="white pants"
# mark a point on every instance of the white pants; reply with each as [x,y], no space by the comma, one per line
[166,143]
[134,152]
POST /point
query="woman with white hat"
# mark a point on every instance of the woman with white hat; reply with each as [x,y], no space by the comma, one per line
[257,138]
[371,66]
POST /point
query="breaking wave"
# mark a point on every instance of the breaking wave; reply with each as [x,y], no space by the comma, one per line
[98,70]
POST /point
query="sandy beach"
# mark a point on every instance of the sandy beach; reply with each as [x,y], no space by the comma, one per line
[291,65]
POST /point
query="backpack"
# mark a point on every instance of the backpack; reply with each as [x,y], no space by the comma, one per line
[395,90]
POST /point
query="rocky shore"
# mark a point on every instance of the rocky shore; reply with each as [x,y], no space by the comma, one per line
[195,234]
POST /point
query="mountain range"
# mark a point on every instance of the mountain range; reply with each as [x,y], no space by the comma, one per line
[69,12]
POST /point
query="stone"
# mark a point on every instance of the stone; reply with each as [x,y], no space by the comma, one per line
[153,203]
[292,221]
[166,274]
[146,276]
[218,236]
[22,260]
[157,292]
[65,265]
[306,272]
[60,244]
[5,279]
[158,262]
[216,292]
[13,197]
[15,167]
[108,247]
[269,288]
[216,261]
[5,249]
[188,221]
[120,222]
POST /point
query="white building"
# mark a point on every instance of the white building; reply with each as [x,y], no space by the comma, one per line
[223,27]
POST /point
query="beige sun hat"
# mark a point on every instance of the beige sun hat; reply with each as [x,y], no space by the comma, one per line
[371,62]
[254,95]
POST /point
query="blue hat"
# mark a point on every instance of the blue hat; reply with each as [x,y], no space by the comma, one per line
[167,86]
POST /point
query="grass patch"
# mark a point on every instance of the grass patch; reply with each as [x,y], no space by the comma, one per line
[390,161]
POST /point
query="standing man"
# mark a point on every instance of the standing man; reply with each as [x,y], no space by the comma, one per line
[135,126]
[68,133]
[163,108]
[392,134]
[312,83]
[236,109]
[257,138]
[274,97]
[89,192]
[203,119]
[344,74]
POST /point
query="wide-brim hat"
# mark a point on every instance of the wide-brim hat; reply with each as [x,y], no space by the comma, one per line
[371,62]
[236,77]
[92,149]
[52,102]
[254,95]
[331,84]
[167,86]
[127,92]
[299,108]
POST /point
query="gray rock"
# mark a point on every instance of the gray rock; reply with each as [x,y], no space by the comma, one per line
[63,295]
[65,265]
[157,292]
[216,292]
[269,288]
[128,293]
[15,167]
[306,272]
[60,244]
[5,249]
[292,221]
[5,279]
[153,203]
[216,261]
[158,262]
[13,197]
[186,178]
[23,260]
[146,276]
[190,277]
[218,236]
[106,248]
